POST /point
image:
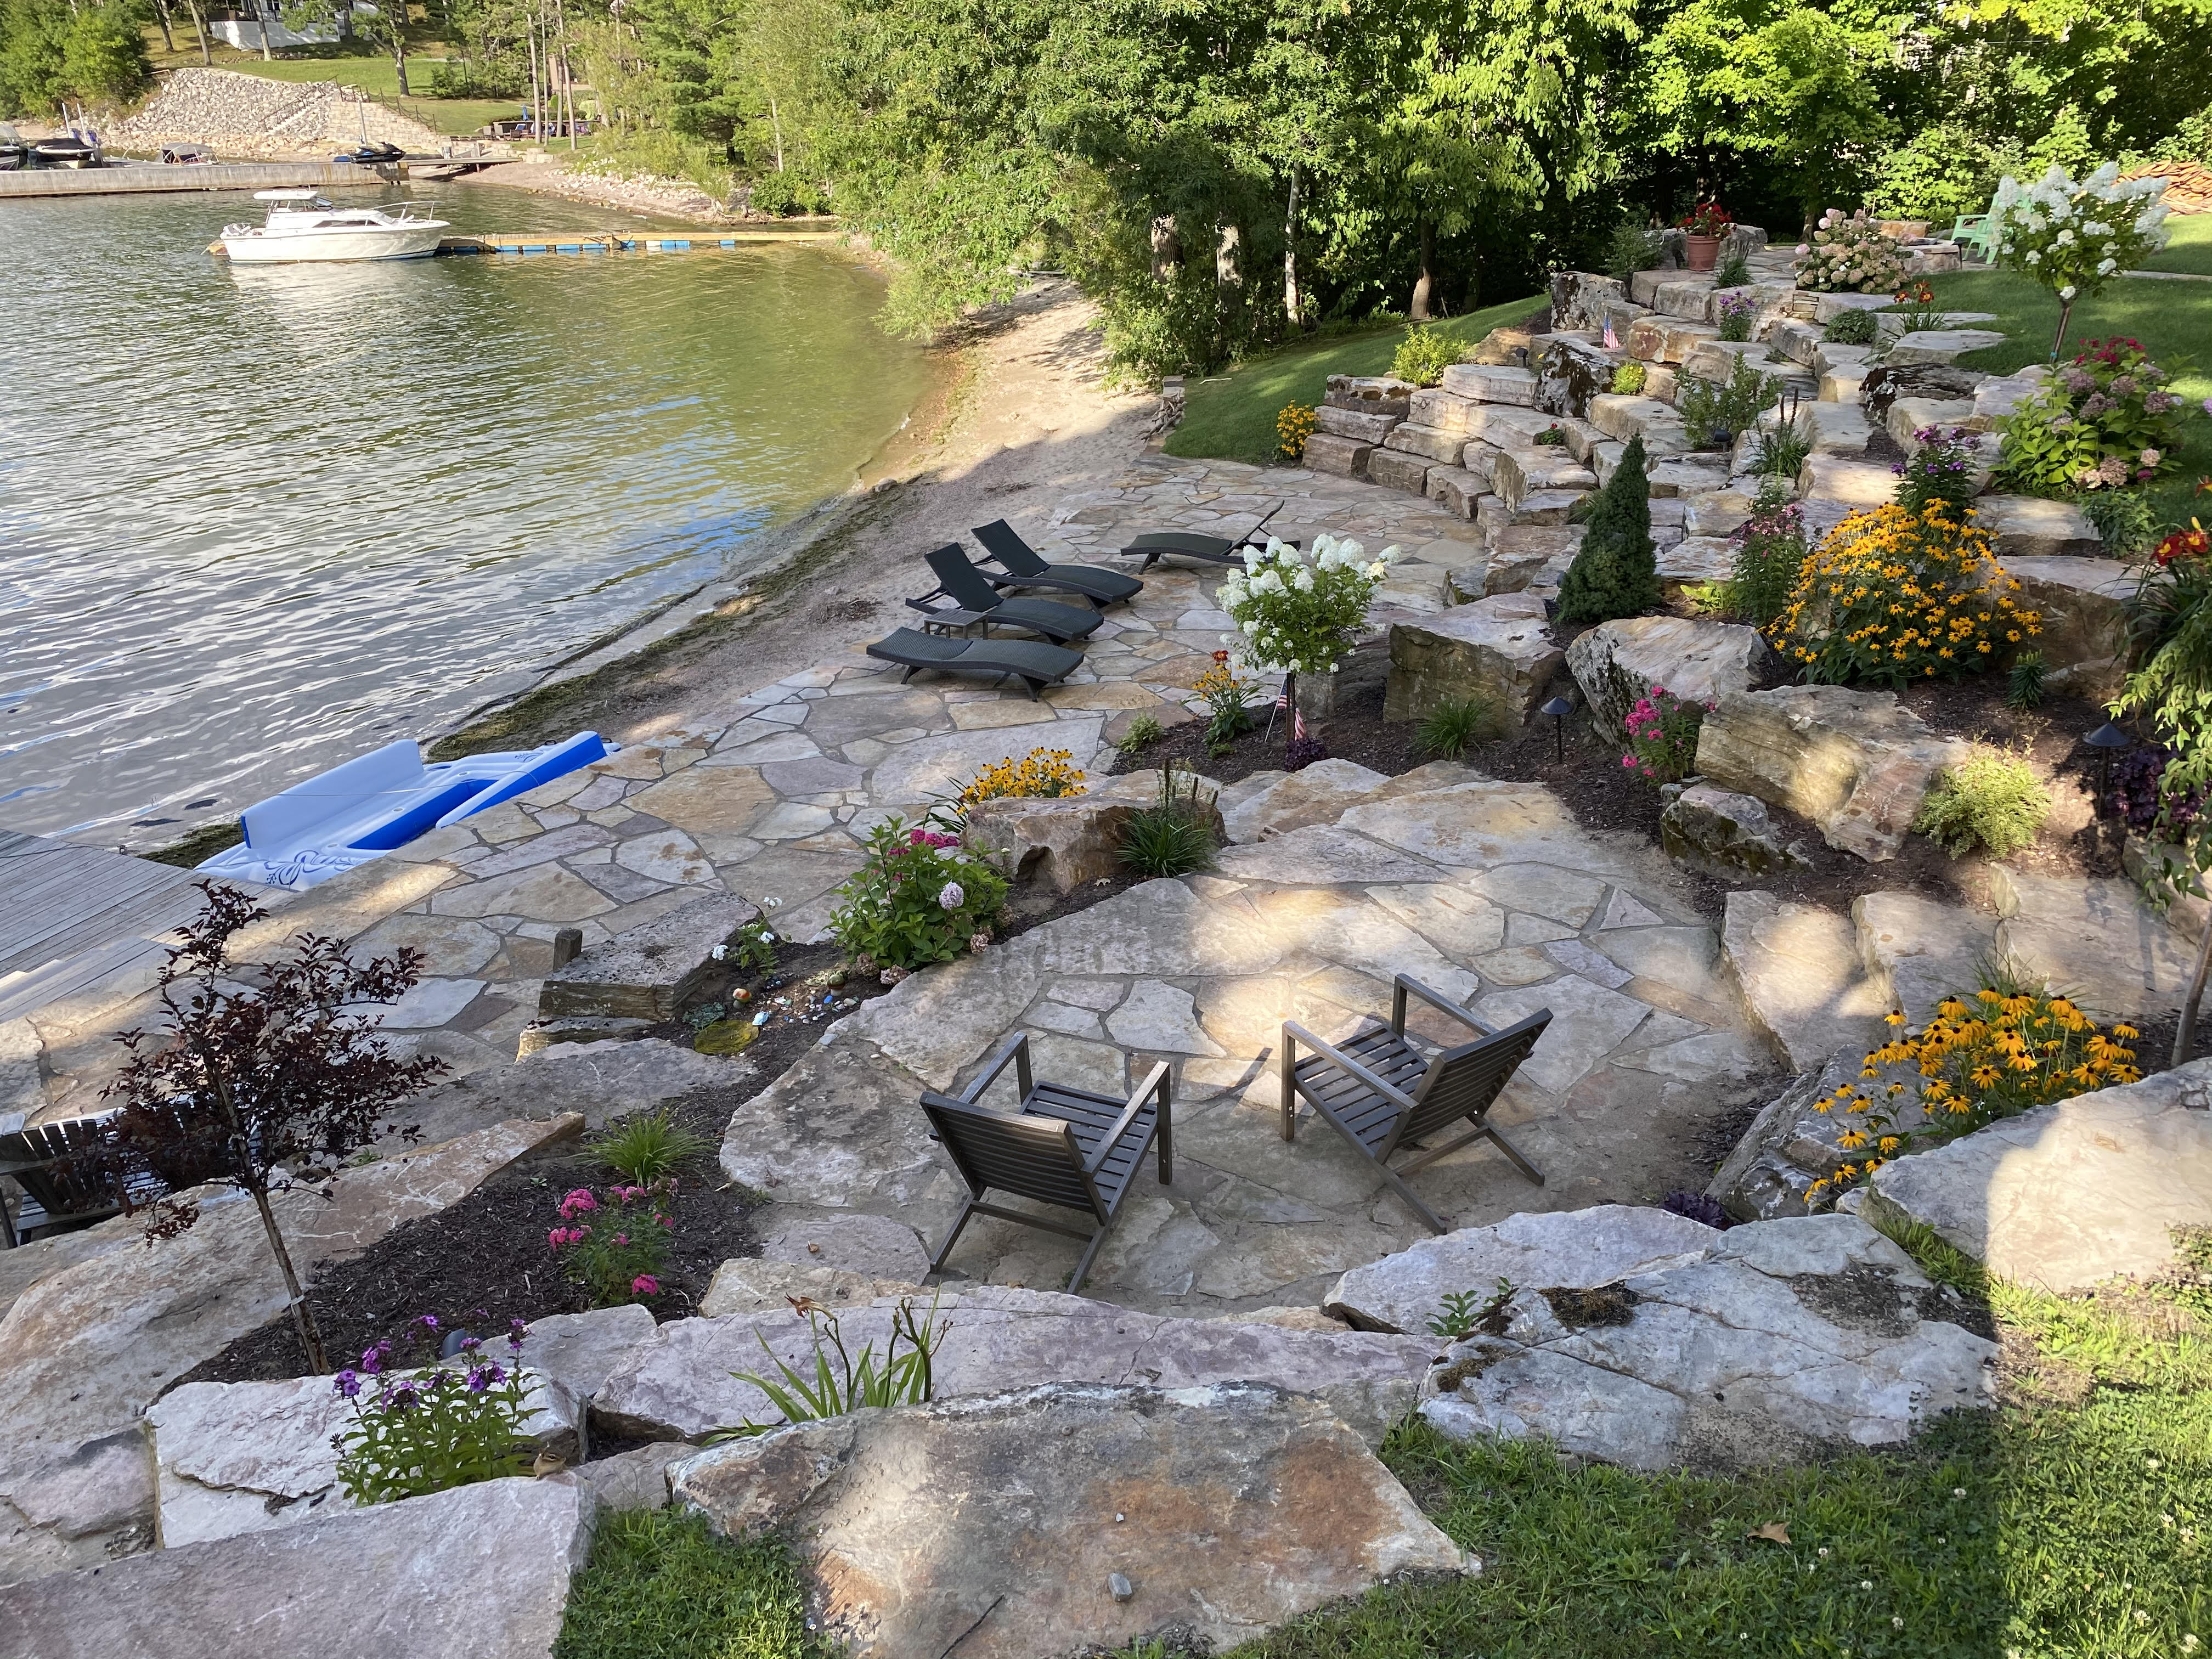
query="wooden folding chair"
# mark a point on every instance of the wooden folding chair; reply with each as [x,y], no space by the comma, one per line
[1382,1095]
[1067,1147]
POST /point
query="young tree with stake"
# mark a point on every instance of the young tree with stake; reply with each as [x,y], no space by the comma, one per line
[265,1071]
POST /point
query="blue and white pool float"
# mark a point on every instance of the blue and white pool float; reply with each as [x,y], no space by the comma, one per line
[363,808]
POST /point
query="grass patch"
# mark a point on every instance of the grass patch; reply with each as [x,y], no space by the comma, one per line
[2191,248]
[202,844]
[2173,320]
[661,1585]
[1231,417]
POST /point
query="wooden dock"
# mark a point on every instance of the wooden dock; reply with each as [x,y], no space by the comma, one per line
[569,242]
[72,915]
[138,178]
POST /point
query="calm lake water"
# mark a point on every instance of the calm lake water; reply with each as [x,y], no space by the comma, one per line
[255,521]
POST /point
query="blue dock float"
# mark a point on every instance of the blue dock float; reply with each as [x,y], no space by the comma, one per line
[618,244]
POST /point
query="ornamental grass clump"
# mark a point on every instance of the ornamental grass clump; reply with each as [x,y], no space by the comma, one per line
[2105,420]
[1940,470]
[1615,572]
[921,897]
[1848,254]
[1043,773]
[2073,236]
[853,1383]
[1992,800]
[1457,724]
[613,1246]
[1893,596]
[424,1431]
[1174,835]
[1995,1055]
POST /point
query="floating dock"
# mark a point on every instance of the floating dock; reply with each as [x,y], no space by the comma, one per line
[569,242]
[136,178]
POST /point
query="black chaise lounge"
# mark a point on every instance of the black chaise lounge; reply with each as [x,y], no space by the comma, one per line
[1034,663]
[1025,568]
[1381,1094]
[1065,1147]
[1153,546]
[973,601]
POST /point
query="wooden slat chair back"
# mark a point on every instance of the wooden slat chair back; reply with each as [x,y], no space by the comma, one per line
[58,1166]
[1065,1147]
[1384,1097]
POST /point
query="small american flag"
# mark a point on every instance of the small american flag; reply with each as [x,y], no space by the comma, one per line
[1612,340]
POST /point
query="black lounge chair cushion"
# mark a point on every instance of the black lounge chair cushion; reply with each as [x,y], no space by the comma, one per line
[1025,567]
[1039,664]
[968,588]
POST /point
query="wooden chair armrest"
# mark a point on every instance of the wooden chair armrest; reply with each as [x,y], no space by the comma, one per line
[1406,982]
[1155,1083]
[1292,1029]
[1016,1048]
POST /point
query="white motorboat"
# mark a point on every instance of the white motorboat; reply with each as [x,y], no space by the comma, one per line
[302,225]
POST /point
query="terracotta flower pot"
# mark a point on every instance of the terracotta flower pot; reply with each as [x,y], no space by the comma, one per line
[1703,252]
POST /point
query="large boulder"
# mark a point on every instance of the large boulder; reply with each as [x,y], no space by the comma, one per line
[1581,299]
[2095,938]
[1580,1248]
[681,1386]
[1797,969]
[1789,1339]
[1499,648]
[1317,793]
[1884,386]
[1071,1517]
[1917,951]
[2081,605]
[1569,373]
[1618,662]
[1066,841]
[482,1571]
[2070,1196]
[650,971]
[1856,764]
[1723,834]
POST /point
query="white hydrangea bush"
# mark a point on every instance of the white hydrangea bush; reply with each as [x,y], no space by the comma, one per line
[1848,254]
[1300,612]
[2076,235]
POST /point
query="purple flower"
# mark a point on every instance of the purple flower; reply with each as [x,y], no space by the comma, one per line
[347,1384]
[484,1377]
[429,1321]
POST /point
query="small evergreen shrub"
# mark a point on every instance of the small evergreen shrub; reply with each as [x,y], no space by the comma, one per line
[1425,354]
[1716,411]
[1628,379]
[1457,724]
[1992,800]
[1850,328]
[1634,247]
[1615,574]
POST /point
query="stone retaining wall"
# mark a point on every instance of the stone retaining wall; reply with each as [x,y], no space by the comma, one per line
[244,115]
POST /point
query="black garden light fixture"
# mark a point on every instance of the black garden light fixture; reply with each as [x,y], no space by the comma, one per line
[1559,709]
[2105,740]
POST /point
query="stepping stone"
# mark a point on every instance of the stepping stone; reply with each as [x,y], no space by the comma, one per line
[2022,526]
[2069,1196]
[651,971]
[1788,1340]
[1318,793]
[1798,967]
[2093,939]
[1233,1509]
[326,1586]
[1941,345]
[1579,1249]
[873,1245]
[1918,952]
[1486,384]
[1855,484]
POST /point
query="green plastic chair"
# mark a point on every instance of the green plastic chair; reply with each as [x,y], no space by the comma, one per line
[1972,228]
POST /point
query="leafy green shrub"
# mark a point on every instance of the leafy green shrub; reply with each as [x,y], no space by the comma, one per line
[2124,519]
[781,195]
[1174,835]
[1940,470]
[1299,616]
[1615,573]
[2102,422]
[614,1249]
[1716,411]
[1628,379]
[1991,800]
[1425,354]
[1770,551]
[2024,686]
[1457,724]
[1634,247]
[921,897]
[426,1430]
[1850,328]
[1144,731]
[647,1146]
[853,1383]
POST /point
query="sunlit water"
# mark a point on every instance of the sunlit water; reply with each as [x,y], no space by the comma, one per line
[254,521]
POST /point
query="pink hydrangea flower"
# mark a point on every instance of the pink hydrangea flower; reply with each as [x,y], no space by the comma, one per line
[646,1285]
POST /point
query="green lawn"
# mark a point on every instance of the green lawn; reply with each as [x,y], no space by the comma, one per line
[2075,1521]
[2174,321]
[2190,247]
[1231,417]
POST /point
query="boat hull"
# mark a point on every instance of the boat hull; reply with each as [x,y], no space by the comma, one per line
[315,247]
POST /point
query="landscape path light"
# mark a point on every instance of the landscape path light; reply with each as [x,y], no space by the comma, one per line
[1559,709]
[2105,740]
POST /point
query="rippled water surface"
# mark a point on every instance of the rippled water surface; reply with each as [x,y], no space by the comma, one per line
[254,521]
